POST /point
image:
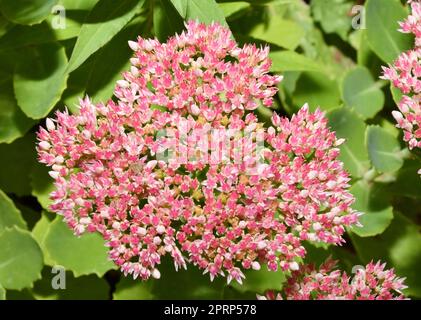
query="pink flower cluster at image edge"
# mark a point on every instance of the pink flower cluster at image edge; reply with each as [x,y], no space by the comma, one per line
[405,75]
[372,282]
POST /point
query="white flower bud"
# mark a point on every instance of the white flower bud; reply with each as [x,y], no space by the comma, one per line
[141,231]
[50,124]
[54,174]
[294,266]
[123,84]
[156,274]
[59,159]
[261,245]
[134,71]
[160,229]
[255,265]
[133,45]
[44,145]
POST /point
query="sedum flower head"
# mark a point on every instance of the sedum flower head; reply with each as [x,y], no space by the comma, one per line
[372,282]
[179,166]
[405,74]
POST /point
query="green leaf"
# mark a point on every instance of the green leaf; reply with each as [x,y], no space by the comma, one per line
[292,61]
[333,15]
[81,288]
[313,44]
[271,33]
[166,20]
[100,83]
[16,162]
[371,199]
[106,19]
[79,4]
[260,2]
[260,281]
[2,293]
[13,122]
[21,36]
[181,6]
[365,56]
[399,246]
[40,79]
[230,8]
[83,255]
[20,259]
[408,182]
[382,17]
[96,77]
[361,92]
[347,124]
[42,184]
[26,11]
[396,94]
[206,11]
[77,83]
[39,232]
[383,149]
[317,90]
[9,215]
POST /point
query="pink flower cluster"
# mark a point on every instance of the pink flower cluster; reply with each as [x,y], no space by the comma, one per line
[405,75]
[372,282]
[140,171]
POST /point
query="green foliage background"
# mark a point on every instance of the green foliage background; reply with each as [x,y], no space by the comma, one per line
[325,62]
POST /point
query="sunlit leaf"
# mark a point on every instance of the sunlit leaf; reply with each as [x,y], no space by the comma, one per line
[333,15]
[206,11]
[362,93]
[40,79]
[106,19]
[82,255]
[292,61]
[2,293]
[166,20]
[383,149]
[39,232]
[272,33]
[382,18]
[371,199]
[20,259]
[9,215]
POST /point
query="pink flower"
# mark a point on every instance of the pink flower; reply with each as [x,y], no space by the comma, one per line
[405,75]
[178,165]
[372,282]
